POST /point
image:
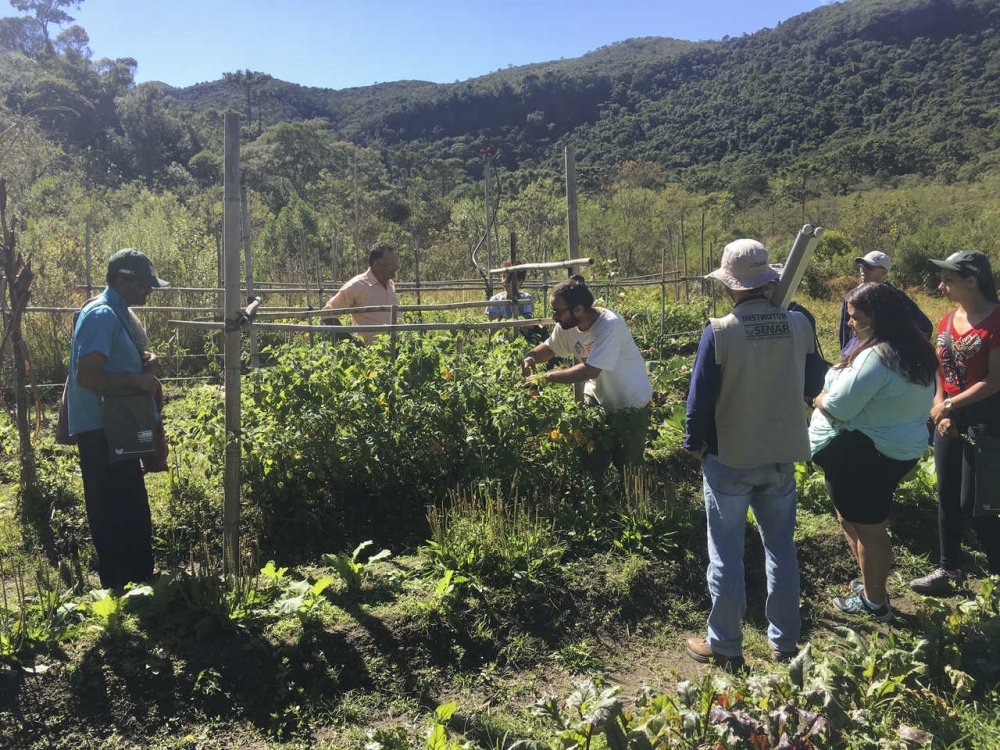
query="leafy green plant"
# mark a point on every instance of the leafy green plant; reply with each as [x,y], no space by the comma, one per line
[810,488]
[962,640]
[760,715]
[446,593]
[243,599]
[39,617]
[920,483]
[579,658]
[351,569]
[438,736]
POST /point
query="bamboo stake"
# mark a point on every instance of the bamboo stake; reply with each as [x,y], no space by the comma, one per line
[663,284]
[336,258]
[514,291]
[573,243]
[416,271]
[86,256]
[305,273]
[231,349]
[684,249]
[248,263]
[392,333]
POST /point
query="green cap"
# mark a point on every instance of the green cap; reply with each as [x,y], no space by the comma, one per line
[965,262]
[131,262]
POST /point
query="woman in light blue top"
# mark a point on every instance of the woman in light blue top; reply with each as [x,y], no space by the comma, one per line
[869,428]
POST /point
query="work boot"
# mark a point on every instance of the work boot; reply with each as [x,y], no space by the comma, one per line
[699,650]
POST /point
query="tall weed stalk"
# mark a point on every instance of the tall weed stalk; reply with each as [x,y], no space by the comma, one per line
[482,533]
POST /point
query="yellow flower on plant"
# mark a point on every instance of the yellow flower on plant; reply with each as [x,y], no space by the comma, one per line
[382,399]
[373,374]
[554,435]
[447,374]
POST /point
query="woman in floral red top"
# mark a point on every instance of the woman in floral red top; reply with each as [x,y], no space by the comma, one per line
[968,395]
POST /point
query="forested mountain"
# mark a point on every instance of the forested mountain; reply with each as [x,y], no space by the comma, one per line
[855,89]
[862,87]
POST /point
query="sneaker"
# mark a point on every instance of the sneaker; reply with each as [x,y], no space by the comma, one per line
[939,582]
[855,605]
[699,650]
[857,587]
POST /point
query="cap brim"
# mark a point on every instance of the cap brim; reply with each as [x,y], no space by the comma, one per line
[731,282]
[160,283]
[866,262]
[946,265]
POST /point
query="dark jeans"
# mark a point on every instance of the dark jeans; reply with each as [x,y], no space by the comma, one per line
[955,461]
[118,513]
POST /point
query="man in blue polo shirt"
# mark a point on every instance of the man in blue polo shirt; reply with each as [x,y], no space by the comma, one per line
[106,357]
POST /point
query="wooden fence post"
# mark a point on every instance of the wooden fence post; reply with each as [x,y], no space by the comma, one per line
[231,348]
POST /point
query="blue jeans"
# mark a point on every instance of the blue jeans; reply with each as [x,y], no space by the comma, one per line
[770,491]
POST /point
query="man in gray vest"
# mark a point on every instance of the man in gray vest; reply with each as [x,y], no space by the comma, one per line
[745,418]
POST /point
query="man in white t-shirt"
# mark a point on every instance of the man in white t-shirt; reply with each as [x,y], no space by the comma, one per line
[610,364]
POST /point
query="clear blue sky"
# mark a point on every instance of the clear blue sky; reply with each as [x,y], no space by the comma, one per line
[339,44]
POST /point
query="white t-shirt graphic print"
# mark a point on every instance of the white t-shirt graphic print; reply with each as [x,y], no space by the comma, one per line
[607,345]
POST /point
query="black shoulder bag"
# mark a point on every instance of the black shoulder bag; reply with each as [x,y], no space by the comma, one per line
[129,416]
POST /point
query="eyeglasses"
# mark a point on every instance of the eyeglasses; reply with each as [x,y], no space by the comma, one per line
[556,311]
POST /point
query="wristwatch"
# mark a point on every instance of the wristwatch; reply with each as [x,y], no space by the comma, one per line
[947,405]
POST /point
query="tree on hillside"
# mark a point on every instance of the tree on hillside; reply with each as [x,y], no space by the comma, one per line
[21,35]
[73,41]
[46,12]
[249,81]
[285,160]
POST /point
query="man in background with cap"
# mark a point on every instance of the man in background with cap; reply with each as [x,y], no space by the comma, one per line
[874,267]
[105,356]
[746,419]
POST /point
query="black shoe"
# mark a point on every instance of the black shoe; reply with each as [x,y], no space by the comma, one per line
[939,582]
[780,656]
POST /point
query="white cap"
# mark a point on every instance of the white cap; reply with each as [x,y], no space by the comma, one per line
[876,259]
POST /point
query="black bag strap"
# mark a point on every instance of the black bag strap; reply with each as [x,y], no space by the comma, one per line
[126,326]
